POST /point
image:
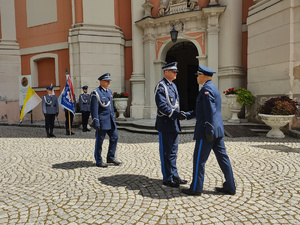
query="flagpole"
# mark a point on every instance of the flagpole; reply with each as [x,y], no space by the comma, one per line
[69,122]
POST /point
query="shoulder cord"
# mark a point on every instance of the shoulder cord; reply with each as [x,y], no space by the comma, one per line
[98,98]
[48,103]
[168,100]
[83,99]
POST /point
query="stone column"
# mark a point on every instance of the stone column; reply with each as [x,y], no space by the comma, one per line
[150,73]
[212,14]
[8,21]
[138,76]
[231,72]
[94,43]
[10,64]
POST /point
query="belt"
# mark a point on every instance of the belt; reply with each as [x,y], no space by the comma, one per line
[50,105]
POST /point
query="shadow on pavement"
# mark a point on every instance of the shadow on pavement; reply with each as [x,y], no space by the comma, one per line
[73,165]
[279,148]
[147,187]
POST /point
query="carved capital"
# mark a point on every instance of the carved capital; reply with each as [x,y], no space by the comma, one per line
[212,14]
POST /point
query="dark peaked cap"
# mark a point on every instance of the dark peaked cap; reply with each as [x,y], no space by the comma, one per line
[105,76]
[171,66]
[205,70]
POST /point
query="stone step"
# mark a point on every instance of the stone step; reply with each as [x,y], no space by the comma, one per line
[187,127]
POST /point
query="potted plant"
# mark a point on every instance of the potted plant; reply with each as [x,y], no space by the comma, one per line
[120,103]
[276,113]
[236,98]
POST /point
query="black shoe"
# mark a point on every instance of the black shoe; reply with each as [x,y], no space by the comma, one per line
[84,130]
[179,180]
[52,135]
[68,133]
[104,165]
[48,136]
[188,191]
[171,183]
[115,162]
[219,189]
[88,129]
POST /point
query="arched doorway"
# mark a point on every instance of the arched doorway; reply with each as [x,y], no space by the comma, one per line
[185,54]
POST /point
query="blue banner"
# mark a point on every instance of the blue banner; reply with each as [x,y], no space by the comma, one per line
[67,98]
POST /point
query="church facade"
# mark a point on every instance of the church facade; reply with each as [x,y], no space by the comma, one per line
[250,43]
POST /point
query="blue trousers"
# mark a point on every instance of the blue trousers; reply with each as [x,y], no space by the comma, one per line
[113,140]
[168,147]
[201,153]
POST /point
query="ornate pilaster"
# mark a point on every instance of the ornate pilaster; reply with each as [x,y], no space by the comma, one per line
[150,74]
[212,14]
[10,64]
[231,72]
[137,79]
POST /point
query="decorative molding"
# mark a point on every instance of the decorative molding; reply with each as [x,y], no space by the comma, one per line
[261,5]
[199,37]
[212,14]
[231,71]
[44,48]
[176,6]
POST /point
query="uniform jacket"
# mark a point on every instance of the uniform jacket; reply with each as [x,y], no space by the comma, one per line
[102,109]
[84,102]
[50,104]
[167,102]
[208,110]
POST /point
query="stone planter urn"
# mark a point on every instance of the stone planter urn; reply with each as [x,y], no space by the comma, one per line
[275,122]
[234,108]
[120,105]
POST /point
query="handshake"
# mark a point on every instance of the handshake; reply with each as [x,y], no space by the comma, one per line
[182,115]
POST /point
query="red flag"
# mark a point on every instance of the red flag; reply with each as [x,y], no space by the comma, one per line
[71,93]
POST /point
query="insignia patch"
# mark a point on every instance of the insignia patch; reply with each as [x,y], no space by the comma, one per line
[171,99]
[206,93]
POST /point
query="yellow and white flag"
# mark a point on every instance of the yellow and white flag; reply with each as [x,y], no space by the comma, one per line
[30,102]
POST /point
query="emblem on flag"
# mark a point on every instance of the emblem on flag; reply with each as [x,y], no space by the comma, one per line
[67,97]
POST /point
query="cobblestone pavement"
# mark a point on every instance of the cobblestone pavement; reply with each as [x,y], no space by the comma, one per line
[55,181]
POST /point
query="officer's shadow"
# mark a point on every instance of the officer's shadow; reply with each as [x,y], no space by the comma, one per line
[73,165]
[142,185]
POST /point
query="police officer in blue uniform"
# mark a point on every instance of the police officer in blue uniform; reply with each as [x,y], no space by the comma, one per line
[50,109]
[209,134]
[103,116]
[167,124]
[84,104]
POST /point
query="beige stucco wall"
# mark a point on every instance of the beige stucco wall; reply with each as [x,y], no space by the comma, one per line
[270,49]
[273,50]
[41,12]
[98,12]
